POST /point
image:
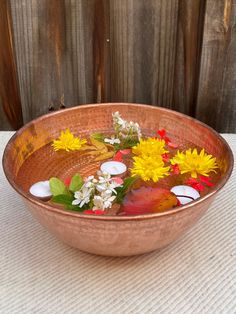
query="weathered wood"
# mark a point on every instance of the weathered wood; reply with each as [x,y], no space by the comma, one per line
[142,50]
[101,51]
[54,51]
[216,103]
[177,53]
[9,90]
[188,54]
[4,124]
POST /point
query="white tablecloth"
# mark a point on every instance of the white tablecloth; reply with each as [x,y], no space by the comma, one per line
[39,274]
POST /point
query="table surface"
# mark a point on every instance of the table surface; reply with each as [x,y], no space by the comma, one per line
[39,274]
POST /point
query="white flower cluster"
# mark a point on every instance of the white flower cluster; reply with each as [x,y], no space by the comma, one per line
[125,129]
[112,140]
[100,192]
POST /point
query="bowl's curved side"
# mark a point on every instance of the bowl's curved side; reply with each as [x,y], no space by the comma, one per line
[112,235]
[119,238]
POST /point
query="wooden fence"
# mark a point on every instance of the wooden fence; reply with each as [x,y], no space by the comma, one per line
[179,54]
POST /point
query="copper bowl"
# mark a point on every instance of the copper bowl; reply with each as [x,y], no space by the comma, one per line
[107,235]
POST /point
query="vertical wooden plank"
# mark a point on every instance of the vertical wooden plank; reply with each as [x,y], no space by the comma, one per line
[9,89]
[188,54]
[142,50]
[101,51]
[216,101]
[54,50]
[4,124]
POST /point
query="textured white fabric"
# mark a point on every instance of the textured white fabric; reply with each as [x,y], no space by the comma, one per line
[39,274]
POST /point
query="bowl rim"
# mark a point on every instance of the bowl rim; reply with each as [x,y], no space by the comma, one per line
[62,211]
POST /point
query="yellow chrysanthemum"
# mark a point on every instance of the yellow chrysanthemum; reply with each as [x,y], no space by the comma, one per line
[150,147]
[149,168]
[68,142]
[194,163]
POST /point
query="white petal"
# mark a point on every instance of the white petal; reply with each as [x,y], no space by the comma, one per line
[75,202]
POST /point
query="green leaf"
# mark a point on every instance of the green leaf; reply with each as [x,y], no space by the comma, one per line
[126,143]
[76,183]
[57,187]
[128,182]
[75,208]
[98,136]
[122,190]
[66,200]
[63,199]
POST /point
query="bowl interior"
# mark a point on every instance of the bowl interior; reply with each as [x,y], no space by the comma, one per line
[29,157]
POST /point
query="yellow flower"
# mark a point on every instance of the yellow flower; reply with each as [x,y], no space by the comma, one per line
[149,168]
[196,164]
[150,147]
[68,142]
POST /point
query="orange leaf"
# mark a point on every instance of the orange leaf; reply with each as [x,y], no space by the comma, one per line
[148,200]
[104,156]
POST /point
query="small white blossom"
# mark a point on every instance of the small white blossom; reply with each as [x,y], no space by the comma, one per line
[100,191]
[103,202]
[117,120]
[112,140]
[89,178]
[98,202]
[82,197]
[125,129]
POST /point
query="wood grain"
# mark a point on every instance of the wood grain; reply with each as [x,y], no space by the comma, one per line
[178,54]
[54,51]
[4,123]
[188,55]
[216,102]
[101,51]
[142,50]
[9,89]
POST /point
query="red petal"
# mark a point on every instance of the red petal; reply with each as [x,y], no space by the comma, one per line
[118,180]
[92,212]
[191,181]
[165,157]
[178,203]
[198,186]
[125,151]
[162,133]
[172,145]
[206,180]
[195,184]
[67,182]
[99,212]
[118,156]
[166,139]
[175,168]
[88,212]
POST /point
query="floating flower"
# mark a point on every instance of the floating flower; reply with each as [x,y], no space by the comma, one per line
[126,129]
[112,140]
[194,183]
[83,196]
[104,200]
[195,164]
[200,183]
[149,168]
[162,134]
[150,147]
[175,169]
[67,141]
[120,154]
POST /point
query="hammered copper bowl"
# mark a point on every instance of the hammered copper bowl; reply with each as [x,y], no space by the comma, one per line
[107,235]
